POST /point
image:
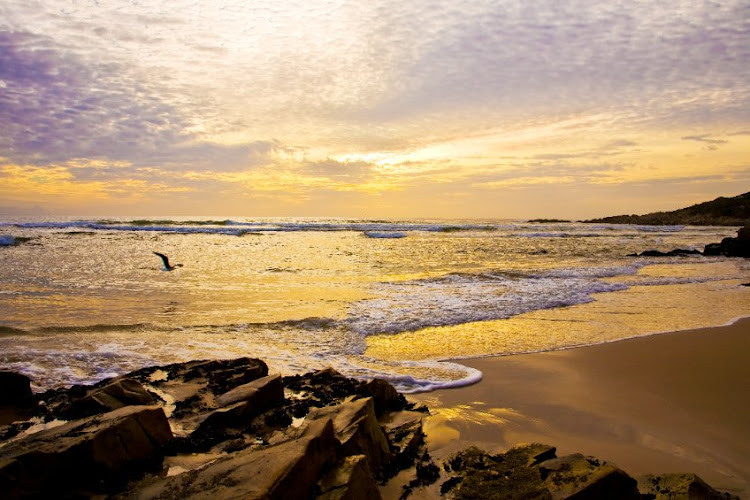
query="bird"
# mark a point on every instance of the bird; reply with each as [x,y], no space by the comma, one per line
[167,265]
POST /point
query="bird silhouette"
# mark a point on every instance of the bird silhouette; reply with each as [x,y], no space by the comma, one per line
[167,265]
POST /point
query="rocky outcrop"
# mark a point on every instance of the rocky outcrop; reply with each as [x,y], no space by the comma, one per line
[14,388]
[677,252]
[351,479]
[534,471]
[220,429]
[678,486]
[118,394]
[287,470]
[96,452]
[242,431]
[731,247]
[586,478]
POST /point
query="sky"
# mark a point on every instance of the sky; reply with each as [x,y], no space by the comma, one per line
[480,109]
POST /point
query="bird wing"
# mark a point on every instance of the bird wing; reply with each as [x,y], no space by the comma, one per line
[164,259]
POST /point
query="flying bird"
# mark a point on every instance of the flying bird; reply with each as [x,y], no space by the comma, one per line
[167,265]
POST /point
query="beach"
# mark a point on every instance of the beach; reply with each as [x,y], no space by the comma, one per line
[674,402]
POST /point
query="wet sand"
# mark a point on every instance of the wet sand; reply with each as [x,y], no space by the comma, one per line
[676,402]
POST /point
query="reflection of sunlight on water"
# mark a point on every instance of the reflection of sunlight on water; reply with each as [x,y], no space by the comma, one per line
[613,316]
[446,423]
[245,296]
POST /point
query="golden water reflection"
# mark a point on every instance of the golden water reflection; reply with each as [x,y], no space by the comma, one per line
[633,312]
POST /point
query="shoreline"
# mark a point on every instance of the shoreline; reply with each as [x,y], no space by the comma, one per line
[663,402]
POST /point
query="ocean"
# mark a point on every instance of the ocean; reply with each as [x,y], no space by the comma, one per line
[86,299]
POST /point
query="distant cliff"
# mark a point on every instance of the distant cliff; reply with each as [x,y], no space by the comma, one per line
[719,212]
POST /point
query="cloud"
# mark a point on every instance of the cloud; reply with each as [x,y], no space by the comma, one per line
[55,108]
[514,59]
[711,143]
[316,97]
[355,171]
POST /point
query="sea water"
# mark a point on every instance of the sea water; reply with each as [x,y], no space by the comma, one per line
[86,299]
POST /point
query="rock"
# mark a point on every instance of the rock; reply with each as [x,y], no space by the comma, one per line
[735,247]
[238,409]
[677,252]
[476,474]
[220,375]
[90,453]
[535,453]
[385,396]
[405,432]
[712,249]
[288,470]
[532,471]
[405,435]
[122,392]
[353,434]
[263,393]
[14,387]
[586,478]
[358,430]
[349,480]
[322,388]
[732,247]
[243,403]
[678,487]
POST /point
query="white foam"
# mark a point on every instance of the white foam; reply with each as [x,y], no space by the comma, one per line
[464,298]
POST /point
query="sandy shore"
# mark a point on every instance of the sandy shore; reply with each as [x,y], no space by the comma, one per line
[676,402]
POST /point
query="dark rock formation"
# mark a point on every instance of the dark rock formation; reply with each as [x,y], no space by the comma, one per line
[670,486]
[533,471]
[731,247]
[96,452]
[351,479]
[586,478]
[288,470]
[385,396]
[220,429]
[677,252]
[120,393]
[232,409]
[14,388]
[241,404]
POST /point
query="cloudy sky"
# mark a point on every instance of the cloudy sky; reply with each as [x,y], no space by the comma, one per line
[511,109]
